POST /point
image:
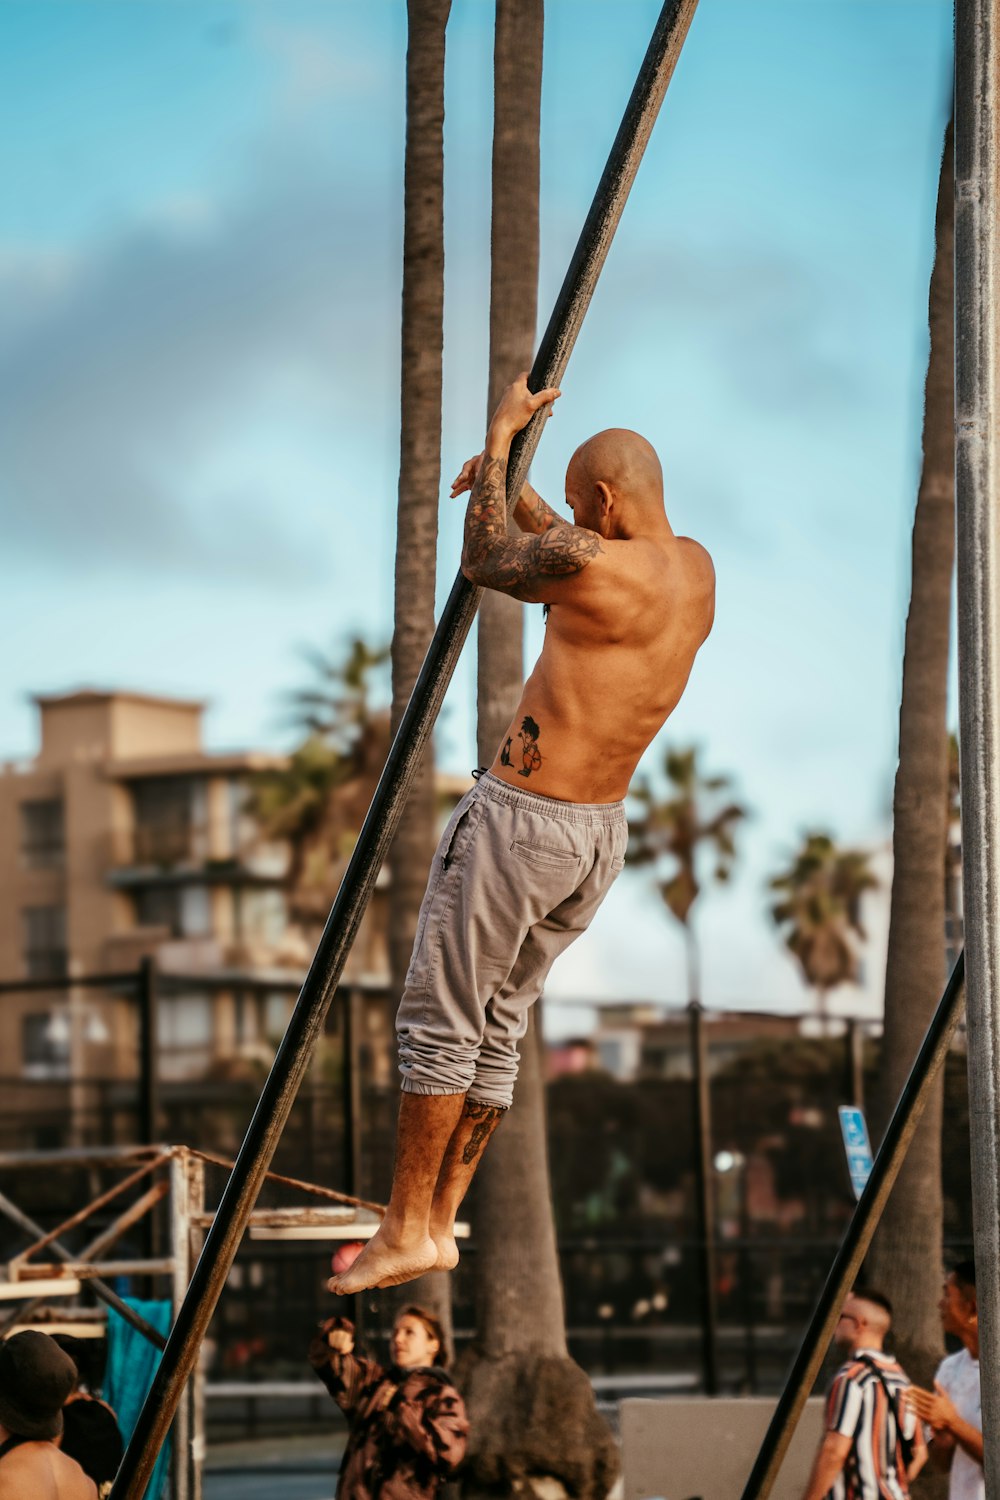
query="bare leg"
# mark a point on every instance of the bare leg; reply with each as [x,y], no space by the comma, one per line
[468,1142]
[402,1247]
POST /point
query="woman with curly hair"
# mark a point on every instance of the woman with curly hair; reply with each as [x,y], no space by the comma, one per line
[408,1427]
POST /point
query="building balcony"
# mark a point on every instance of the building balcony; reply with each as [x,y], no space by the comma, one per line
[207,852]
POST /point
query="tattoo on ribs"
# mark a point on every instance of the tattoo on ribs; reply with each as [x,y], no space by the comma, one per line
[486,1117]
[504,562]
[531,756]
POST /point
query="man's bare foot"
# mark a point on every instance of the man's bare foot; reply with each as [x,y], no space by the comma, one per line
[447,1250]
[382,1263]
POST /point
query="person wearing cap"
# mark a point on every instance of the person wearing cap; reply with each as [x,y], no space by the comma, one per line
[35,1379]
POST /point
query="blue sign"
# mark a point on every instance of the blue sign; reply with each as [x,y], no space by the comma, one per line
[857,1147]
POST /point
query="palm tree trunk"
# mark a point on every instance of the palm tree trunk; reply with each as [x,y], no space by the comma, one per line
[420,459]
[531,1408]
[693,963]
[907,1251]
[517,89]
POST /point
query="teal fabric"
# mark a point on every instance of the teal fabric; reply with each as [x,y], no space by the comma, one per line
[132,1363]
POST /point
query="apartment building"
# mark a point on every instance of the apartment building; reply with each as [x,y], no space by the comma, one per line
[122,838]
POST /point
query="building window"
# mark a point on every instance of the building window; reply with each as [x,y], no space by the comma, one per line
[45,953]
[43,839]
[184,910]
[277,1012]
[263,915]
[184,1022]
[45,1045]
[170,820]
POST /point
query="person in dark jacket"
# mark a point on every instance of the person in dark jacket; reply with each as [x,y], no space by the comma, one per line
[408,1428]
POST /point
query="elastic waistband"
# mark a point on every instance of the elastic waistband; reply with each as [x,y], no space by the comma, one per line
[594,813]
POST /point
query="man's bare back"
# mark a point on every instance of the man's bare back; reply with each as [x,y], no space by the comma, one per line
[629,604]
[40,1471]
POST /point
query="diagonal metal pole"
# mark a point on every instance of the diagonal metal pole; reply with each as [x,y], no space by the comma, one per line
[293,1055]
[977,504]
[857,1237]
[11,1211]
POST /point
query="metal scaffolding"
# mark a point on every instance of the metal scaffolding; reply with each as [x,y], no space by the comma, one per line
[32,1282]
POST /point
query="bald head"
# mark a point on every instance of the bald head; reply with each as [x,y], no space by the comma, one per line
[622,460]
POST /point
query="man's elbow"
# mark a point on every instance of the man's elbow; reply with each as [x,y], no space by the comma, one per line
[476,570]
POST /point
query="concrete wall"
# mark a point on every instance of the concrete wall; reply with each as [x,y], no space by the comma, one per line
[703,1446]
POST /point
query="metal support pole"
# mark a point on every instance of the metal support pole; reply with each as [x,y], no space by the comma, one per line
[403,762]
[149,1094]
[705,1199]
[854,1063]
[353,1003]
[351,1105]
[180,1251]
[857,1237]
[196,1389]
[149,1102]
[977,501]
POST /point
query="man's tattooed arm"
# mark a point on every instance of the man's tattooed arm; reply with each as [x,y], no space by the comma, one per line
[517,565]
[531,512]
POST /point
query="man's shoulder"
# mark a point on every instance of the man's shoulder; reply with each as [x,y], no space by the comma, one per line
[853,1370]
[696,552]
[954,1366]
[684,566]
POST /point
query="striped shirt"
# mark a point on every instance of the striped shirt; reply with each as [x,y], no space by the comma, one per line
[858,1406]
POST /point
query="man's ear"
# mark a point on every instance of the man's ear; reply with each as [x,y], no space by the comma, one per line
[606,498]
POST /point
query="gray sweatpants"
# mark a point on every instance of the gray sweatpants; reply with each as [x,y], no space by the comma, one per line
[515,879]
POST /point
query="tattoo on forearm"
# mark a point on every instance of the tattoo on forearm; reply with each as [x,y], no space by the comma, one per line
[486,1117]
[493,558]
[531,756]
[537,513]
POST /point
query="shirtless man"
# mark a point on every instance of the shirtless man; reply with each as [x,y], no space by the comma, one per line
[531,851]
[35,1379]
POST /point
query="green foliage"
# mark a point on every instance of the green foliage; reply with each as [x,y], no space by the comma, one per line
[819,910]
[336,709]
[317,800]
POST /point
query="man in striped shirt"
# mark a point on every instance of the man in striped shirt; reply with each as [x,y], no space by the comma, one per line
[873,1445]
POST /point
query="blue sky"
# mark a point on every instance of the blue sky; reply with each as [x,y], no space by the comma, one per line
[200,242]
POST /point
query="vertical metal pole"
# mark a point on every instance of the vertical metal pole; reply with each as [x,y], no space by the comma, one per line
[747,1282]
[977,497]
[180,1250]
[149,1103]
[705,1198]
[75,1018]
[149,1099]
[402,764]
[352,1092]
[352,1120]
[196,1388]
[855,1062]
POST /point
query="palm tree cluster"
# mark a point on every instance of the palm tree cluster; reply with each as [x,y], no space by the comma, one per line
[318,801]
[819,912]
[683,828]
[671,832]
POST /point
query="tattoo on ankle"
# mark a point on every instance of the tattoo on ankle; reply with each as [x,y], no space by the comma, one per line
[486,1117]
